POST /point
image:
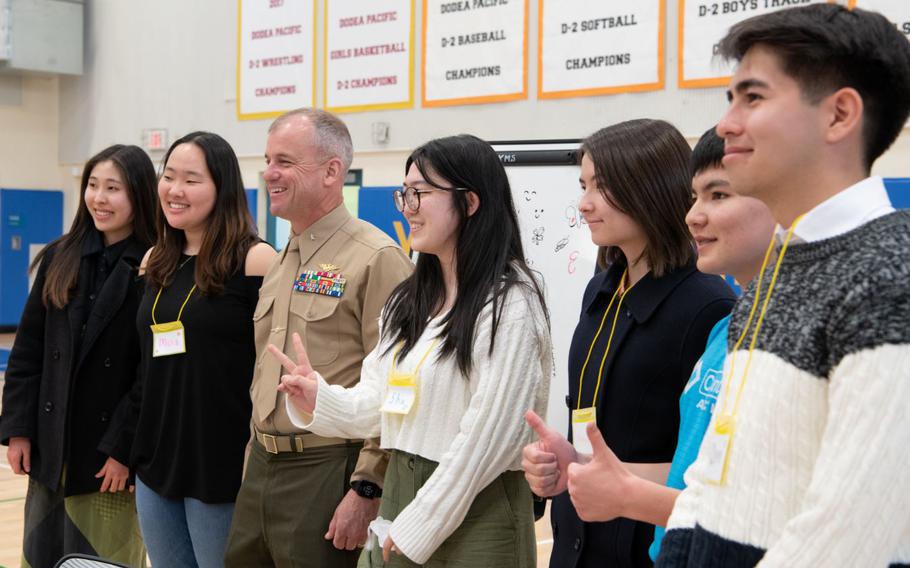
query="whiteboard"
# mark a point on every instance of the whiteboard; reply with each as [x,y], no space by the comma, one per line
[557,243]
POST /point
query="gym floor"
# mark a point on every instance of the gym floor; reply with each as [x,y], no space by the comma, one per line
[12,501]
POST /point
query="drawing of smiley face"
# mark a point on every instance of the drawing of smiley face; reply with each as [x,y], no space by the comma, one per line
[529,194]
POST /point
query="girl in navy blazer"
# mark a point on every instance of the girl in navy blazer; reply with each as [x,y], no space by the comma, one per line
[66,412]
[644,322]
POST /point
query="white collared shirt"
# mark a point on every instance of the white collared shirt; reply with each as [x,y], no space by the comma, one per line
[843,212]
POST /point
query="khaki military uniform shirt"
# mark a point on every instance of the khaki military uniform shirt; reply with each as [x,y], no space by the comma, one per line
[338,331]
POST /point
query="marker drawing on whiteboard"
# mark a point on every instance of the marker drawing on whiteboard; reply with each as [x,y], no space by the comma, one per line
[573,256]
[571,215]
[537,237]
[561,244]
[538,213]
[529,194]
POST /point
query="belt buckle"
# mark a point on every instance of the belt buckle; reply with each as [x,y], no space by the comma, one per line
[270,442]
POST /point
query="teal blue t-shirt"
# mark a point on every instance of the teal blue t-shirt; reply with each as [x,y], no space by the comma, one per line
[695,407]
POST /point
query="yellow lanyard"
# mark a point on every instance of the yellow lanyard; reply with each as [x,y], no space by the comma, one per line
[726,421]
[581,377]
[394,371]
[180,313]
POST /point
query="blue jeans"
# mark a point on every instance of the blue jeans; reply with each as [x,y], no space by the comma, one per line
[182,533]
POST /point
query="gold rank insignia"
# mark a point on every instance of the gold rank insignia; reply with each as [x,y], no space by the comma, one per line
[328,267]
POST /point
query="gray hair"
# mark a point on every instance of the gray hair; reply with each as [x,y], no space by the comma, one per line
[330,134]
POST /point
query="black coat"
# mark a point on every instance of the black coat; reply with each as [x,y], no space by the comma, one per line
[74,405]
[661,331]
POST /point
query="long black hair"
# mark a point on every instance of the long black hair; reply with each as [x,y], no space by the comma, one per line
[489,259]
[229,233]
[138,174]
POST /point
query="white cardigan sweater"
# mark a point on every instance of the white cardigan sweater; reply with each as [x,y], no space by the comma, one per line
[473,427]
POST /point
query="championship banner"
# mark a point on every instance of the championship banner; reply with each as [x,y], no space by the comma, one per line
[590,47]
[701,27]
[276,57]
[474,51]
[369,55]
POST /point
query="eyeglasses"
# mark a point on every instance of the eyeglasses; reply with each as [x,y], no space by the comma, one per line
[410,196]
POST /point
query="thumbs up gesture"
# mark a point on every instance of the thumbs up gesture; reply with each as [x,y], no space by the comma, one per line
[300,383]
[600,488]
[546,461]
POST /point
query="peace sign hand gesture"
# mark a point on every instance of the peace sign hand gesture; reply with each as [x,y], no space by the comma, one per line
[300,383]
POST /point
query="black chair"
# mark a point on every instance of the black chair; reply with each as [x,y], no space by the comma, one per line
[86,561]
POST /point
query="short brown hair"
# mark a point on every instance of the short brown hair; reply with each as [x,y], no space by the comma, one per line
[642,168]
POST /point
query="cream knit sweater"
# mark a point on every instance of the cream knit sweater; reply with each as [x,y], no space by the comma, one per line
[474,426]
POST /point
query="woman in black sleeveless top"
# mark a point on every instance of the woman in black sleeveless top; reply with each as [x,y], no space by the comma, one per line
[196,336]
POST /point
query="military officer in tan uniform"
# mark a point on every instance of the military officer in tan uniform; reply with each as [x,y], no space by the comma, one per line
[306,501]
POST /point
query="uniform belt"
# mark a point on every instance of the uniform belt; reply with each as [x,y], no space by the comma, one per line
[297,443]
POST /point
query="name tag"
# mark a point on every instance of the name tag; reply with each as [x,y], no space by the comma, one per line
[168,339]
[715,453]
[580,420]
[401,394]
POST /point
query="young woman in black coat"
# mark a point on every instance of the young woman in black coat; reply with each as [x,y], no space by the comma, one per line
[66,410]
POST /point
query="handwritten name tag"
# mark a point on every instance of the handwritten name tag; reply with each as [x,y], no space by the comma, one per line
[401,393]
[168,339]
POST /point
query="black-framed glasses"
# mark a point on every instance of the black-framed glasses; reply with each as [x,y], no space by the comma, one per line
[410,196]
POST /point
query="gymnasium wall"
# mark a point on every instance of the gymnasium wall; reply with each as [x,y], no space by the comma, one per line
[172,64]
[29,136]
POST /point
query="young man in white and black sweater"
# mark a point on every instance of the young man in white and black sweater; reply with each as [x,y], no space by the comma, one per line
[807,459]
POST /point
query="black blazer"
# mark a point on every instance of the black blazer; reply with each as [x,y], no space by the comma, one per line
[74,406]
[661,331]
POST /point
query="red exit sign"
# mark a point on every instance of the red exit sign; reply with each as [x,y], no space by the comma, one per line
[155,138]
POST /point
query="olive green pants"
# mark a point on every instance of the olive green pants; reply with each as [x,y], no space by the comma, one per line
[498,531]
[284,507]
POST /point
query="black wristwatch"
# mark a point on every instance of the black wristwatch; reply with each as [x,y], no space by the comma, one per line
[366,489]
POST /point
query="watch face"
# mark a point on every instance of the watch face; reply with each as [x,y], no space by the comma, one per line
[366,489]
